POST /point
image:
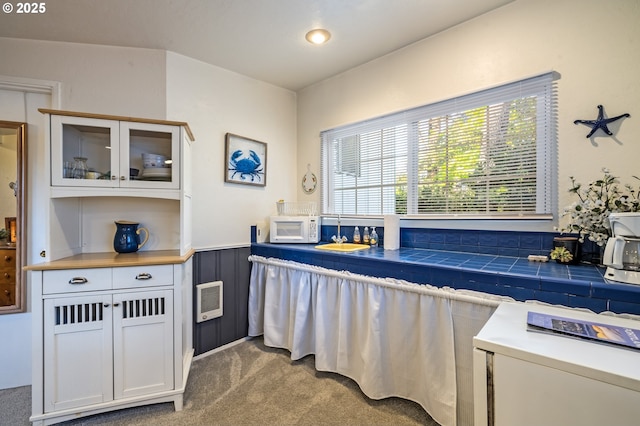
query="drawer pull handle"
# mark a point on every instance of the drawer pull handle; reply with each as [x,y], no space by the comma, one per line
[144,276]
[6,275]
[78,280]
[7,258]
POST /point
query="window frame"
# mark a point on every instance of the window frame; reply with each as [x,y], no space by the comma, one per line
[542,86]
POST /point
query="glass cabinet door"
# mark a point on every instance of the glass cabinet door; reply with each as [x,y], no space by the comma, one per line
[83,151]
[149,155]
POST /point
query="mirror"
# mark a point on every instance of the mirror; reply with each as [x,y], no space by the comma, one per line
[13,170]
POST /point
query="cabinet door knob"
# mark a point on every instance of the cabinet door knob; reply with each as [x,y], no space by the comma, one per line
[144,276]
[6,275]
[116,304]
[78,280]
[113,177]
[106,305]
[8,258]
[122,178]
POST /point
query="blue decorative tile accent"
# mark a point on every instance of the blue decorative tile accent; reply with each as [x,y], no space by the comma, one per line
[437,236]
[475,279]
[477,260]
[628,308]
[520,294]
[442,277]
[470,238]
[519,281]
[614,291]
[551,297]
[489,240]
[452,237]
[530,241]
[565,285]
[596,305]
[508,239]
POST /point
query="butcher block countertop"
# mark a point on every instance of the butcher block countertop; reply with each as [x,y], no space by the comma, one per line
[112,259]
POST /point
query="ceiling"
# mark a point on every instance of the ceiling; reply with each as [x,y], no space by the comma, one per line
[262,39]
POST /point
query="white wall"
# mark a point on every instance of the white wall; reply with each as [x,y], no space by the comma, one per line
[215,101]
[593,45]
[98,79]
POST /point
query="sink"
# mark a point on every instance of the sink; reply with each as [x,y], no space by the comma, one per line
[347,247]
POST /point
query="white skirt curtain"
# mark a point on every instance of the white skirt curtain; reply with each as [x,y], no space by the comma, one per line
[392,337]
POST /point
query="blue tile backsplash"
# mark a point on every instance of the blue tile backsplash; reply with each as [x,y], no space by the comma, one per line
[489,261]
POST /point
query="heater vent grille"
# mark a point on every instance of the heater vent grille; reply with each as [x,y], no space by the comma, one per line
[209,301]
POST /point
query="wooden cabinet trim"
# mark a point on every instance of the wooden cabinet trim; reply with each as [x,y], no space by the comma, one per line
[119,118]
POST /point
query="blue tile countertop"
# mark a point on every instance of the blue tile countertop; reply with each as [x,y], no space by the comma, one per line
[517,277]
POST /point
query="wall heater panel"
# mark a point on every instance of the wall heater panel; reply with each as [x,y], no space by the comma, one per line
[208,301]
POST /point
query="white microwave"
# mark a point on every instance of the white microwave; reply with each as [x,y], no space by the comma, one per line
[294,229]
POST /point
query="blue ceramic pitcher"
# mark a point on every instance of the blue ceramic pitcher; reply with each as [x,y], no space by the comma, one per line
[127,239]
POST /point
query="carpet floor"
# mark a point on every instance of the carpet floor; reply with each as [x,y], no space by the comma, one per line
[248,384]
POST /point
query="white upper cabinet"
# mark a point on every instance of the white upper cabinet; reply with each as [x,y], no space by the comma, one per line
[90,152]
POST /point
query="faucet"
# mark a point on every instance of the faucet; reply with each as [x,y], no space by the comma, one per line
[339,239]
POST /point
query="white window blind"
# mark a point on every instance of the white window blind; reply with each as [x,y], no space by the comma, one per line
[488,153]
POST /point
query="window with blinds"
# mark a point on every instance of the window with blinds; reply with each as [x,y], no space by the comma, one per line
[484,154]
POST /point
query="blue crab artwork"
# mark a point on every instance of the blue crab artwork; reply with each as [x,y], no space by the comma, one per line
[249,166]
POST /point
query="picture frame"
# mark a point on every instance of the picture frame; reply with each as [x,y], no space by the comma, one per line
[245,160]
[10,225]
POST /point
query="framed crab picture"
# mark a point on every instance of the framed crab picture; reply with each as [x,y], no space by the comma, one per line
[245,160]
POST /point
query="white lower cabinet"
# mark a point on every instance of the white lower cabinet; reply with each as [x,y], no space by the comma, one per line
[78,366]
[98,347]
[142,321]
[109,338]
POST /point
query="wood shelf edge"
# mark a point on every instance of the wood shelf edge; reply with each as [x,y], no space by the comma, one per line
[119,118]
[112,259]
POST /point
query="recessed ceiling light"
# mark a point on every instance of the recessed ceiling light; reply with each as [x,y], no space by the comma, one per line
[318,36]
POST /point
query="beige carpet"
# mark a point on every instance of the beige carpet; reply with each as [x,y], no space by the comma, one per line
[249,384]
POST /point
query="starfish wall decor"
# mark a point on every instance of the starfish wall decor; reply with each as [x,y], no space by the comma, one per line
[600,122]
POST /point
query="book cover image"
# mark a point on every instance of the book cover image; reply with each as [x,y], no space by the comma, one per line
[605,333]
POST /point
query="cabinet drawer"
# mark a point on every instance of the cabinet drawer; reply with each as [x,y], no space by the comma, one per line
[7,275]
[7,258]
[142,276]
[76,280]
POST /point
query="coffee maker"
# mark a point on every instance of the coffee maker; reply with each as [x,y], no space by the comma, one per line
[622,252]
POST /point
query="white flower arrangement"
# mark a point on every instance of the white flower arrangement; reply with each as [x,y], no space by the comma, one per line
[589,216]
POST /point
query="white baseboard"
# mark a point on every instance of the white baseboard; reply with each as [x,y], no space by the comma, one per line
[221,348]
